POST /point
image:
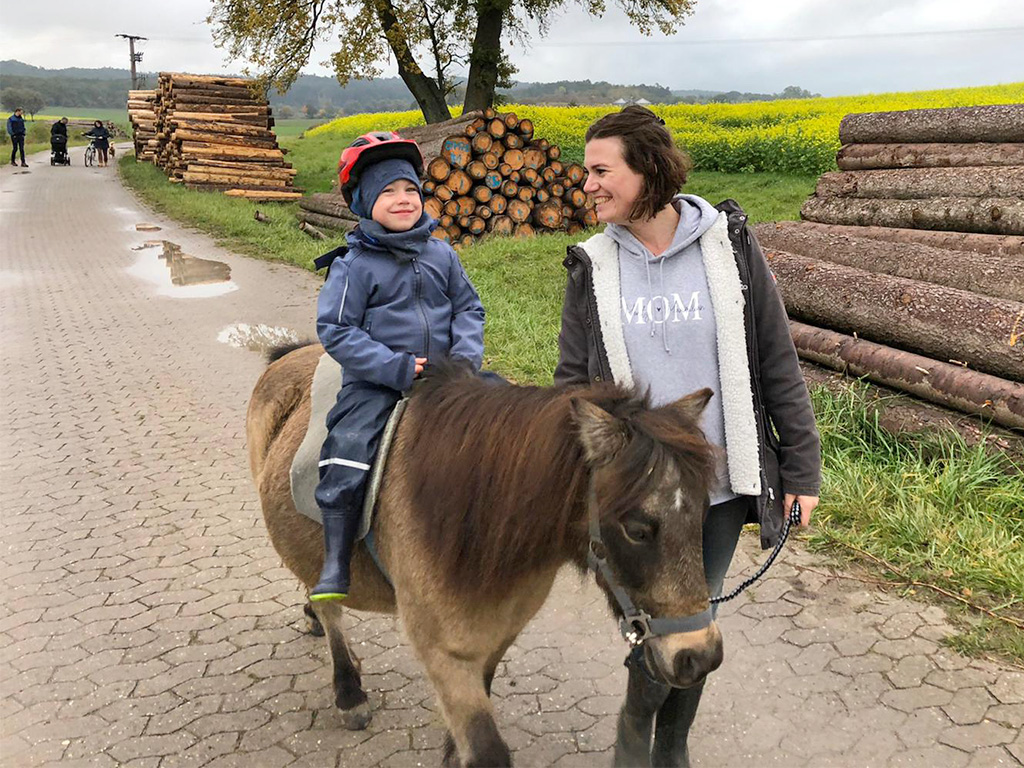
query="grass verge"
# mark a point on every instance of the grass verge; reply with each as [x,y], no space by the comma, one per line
[939,511]
[926,513]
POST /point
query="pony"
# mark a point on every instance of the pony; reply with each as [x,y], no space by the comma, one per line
[488,491]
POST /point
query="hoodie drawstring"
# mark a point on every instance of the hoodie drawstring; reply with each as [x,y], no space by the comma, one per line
[664,308]
[650,292]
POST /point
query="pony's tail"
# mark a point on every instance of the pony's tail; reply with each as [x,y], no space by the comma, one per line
[276,353]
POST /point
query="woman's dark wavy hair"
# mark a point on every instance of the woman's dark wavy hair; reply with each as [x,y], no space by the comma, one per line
[649,150]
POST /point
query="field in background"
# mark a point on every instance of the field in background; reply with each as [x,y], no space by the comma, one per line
[798,136]
[51,114]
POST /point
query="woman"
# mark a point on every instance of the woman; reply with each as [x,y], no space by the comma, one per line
[101,139]
[676,295]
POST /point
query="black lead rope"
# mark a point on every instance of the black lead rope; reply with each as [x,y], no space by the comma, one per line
[793,519]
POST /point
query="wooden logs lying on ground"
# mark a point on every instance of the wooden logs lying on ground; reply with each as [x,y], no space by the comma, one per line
[855,157]
[919,183]
[944,383]
[944,323]
[987,274]
[995,123]
[213,133]
[490,175]
[997,245]
[1000,216]
[142,116]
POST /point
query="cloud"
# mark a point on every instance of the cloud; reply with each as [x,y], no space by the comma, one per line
[712,50]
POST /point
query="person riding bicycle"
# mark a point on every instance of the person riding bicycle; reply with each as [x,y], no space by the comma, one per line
[101,140]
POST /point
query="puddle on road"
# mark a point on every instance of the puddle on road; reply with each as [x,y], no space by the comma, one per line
[257,338]
[180,275]
[144,227]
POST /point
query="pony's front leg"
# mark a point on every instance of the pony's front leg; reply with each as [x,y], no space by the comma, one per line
[461,686]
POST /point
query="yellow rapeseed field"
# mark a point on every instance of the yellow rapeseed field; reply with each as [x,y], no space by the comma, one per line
[793,136]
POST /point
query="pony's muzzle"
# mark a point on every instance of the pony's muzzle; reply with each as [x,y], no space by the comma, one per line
[684,659]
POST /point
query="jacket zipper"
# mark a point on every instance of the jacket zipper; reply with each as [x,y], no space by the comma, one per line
[591,314]
[743,241]
[419,306]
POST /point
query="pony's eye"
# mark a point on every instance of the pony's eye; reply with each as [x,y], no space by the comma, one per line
[638,532]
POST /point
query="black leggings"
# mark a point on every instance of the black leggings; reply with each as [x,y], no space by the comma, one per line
[18,143]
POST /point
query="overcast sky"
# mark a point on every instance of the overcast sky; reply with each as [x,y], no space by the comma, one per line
[829,46]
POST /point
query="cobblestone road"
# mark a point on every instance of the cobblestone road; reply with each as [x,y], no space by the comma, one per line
[146,621]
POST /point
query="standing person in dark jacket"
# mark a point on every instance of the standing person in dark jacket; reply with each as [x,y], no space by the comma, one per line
[60,128]
[101,139]
[16,130]
[676,295]
[397,299]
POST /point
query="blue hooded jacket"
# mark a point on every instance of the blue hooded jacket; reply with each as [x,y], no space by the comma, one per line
[379,311]
[15,125]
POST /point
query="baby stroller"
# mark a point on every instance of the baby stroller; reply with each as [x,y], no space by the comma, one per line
[59,150]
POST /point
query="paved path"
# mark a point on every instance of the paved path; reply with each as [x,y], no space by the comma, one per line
[146,621]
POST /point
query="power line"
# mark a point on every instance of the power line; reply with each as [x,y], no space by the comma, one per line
[760,40]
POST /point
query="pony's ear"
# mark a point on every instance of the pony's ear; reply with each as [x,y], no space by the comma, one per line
[691,406]
[601,434]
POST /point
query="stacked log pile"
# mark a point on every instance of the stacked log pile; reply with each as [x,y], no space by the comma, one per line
[486,174]
[214,133]
[909,266]
[494,176]
[142,115]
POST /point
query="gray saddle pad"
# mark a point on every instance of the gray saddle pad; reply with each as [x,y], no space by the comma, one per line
[305,471]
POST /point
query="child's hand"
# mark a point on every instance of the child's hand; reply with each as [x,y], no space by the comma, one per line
[420,362]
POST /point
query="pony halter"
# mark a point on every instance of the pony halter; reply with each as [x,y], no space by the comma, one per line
[636,625]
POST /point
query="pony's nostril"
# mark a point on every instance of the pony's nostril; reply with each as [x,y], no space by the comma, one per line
[687,667]
[693,665]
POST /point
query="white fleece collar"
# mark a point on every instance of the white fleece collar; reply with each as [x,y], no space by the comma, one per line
[727,302]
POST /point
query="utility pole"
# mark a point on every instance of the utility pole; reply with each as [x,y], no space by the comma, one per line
[134,56]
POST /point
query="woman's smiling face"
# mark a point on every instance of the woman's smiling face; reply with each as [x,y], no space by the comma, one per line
[613,185]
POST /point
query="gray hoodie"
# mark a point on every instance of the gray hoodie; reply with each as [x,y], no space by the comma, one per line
[669,322]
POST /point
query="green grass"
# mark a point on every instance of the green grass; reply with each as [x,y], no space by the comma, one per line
[229,220]
[287,127]
[114,114]
[942,512]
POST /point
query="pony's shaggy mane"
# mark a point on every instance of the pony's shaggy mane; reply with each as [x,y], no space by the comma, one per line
[497,475]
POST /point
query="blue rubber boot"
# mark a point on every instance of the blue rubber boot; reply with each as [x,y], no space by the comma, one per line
[339,535]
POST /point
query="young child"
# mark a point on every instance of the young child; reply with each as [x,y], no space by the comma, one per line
[397,299]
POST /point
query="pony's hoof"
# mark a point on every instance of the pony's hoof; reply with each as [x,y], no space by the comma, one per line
[313,625]
[357,718]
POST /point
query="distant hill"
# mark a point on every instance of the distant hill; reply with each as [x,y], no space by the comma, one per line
[19,68]
[317,96]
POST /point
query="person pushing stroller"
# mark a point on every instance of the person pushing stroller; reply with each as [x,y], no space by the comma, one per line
[59,143]
[395,298]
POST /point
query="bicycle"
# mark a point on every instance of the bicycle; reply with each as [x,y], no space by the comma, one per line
[90,154]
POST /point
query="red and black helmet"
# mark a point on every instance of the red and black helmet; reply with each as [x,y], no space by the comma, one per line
[371,148]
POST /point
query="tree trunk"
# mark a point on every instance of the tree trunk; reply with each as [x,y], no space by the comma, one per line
[917,183]
[1000,122]
[933,320]
[858,157]
[997,216]
[997,245]
[424,89]
[932,380]
[997,276]
[328,205]
[485,55]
